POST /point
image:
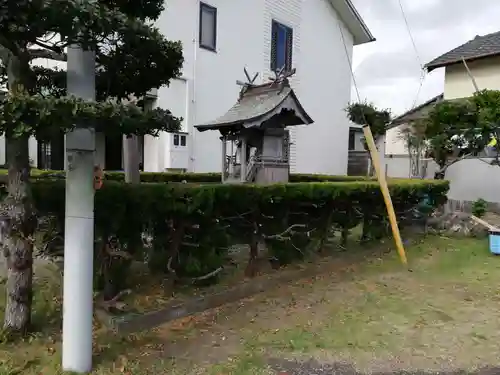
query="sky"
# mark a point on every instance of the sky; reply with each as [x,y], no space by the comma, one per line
[388,71]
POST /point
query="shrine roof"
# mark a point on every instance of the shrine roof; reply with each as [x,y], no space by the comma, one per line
[258,103]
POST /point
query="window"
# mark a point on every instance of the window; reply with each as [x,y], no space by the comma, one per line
[176,139]
[183,140]
[208,27]
[352,140]
[46,153]
[281,47]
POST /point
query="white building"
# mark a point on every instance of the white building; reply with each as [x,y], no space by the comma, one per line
[220,38]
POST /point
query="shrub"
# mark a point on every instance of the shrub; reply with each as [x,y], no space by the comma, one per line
[479,207]
[192,226]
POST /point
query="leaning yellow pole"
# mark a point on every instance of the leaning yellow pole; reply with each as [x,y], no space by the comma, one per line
[385,192]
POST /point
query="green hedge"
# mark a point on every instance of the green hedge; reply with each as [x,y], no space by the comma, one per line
[193,226]
[194,177]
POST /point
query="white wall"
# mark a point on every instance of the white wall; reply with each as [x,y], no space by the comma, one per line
[244,40]
[211,76]
[359,144]
[394,144]
[399,166]
[457,83]
[471,179]
[324,90]
[208,86]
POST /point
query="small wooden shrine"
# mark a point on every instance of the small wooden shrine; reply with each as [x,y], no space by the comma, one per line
[254,135]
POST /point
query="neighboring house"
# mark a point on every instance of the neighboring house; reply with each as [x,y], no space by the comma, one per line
[397,159]
[222,37]
[474,177]
[482,55]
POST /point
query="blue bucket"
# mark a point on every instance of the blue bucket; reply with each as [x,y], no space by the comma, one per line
[494,237]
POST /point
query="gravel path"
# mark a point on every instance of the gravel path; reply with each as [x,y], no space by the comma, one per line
[284,367]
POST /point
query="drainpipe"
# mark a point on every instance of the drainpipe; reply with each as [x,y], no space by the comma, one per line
[192,108]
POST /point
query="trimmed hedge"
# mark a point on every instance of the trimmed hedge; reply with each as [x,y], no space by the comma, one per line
[195,177]
[192,226]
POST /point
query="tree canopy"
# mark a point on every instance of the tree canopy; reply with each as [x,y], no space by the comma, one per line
[367,114]
[458,128]
[132,57]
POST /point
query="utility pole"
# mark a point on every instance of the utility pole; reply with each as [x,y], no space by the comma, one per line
[79,222]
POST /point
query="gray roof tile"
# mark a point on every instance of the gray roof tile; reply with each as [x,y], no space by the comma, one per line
[480,46]
[255,102]
[416,113]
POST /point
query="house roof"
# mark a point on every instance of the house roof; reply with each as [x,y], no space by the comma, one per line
[416,113]
[353,21]
[477,48]
[259,103]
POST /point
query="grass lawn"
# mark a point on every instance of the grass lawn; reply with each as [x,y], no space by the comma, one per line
[365,311]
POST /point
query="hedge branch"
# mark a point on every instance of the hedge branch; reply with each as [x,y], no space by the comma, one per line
[282,234]
[208,275]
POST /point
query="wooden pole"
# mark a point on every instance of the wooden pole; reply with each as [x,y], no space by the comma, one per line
[469,73]
[385,192]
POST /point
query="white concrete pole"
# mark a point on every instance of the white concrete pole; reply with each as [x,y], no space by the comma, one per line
[79,224]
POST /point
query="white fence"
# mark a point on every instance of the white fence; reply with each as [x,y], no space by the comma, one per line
[470,179]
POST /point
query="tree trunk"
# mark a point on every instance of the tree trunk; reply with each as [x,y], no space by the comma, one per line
[131,159]
[19,217]
[19,227]
[252,266]
[440,173]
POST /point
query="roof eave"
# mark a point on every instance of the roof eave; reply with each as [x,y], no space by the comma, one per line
[303,115]
[430,66]
[204,127]
[402,119]
[353,21]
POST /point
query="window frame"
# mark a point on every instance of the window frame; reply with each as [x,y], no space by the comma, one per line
[204,7]
[275,26]
[352,140]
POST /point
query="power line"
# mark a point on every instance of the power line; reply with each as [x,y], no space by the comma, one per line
[350,69]
[349,60]
[422,75]
[420,84]
[411,34]
[419,59]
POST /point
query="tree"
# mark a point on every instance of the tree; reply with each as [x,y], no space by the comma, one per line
[367,114]
[413,136]
[132,57]
[455,129]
